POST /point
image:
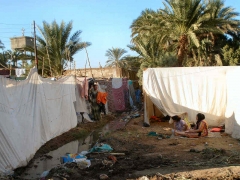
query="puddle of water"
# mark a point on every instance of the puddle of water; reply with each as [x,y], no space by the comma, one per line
[47,164]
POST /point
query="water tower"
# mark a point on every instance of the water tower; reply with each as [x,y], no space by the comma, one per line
[20,43]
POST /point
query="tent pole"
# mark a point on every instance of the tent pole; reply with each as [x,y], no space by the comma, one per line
[88,60]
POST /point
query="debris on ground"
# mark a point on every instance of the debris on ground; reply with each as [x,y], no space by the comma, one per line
[101,148]
[134,154]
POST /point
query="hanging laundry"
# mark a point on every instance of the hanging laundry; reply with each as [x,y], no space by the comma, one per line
[138,95]
[84,92]
[79,87]
[19,72]
[116,83]
[119,100]
[131,101]
[132,92]
[126,92]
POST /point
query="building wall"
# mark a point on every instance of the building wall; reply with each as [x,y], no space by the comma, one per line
[97,72]
[106,73]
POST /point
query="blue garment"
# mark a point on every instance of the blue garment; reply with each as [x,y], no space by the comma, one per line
[130,82]
[138,95]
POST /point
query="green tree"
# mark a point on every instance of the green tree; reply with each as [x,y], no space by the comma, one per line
[115,57]
[132,63]
[57,47]
[231,55]
[3,57]
[3,60]
[152,55]
[181,25]
[14,56]
[1,45]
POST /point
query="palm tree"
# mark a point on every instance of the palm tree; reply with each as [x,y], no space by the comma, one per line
[132,63]
[115,57]
[57,46]
[3,60]
[14,56]
[151,55]
[180,23]
[1,45]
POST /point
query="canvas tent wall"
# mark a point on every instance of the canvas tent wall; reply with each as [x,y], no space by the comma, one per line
[32,112]
[210,90]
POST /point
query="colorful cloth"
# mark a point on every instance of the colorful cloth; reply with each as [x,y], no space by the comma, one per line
[204,131]
[110,100]
[130,82]
[204,128]
[116,83]
[102,97]
[118,96]
[101,148]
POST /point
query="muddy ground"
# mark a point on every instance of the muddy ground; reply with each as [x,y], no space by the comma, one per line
[81,131]
[159,156]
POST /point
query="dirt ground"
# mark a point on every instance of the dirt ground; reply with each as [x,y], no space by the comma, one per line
[151,155]
[159,156]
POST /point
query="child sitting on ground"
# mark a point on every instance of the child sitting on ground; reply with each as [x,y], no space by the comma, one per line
[200,130]
[179,125]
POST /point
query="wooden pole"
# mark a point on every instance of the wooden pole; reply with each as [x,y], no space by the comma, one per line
[35,44]
[4,66]
[88,60]
[69,60]
[10,69]
[101,69]
[49,62]
[86,68]
[74,68]
[43,67]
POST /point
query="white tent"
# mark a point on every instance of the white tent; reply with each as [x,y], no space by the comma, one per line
[210,90]
[32,112]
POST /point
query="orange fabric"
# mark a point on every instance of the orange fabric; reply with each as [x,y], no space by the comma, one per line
[204,130]
[102,97]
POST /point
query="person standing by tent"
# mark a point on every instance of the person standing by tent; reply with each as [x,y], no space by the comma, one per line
[94,105]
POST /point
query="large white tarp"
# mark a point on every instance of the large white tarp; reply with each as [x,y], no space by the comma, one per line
[209,90]
[32,112]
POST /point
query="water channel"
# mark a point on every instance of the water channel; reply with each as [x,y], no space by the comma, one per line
[77,146]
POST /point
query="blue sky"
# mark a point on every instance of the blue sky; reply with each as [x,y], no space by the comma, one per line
[104,23]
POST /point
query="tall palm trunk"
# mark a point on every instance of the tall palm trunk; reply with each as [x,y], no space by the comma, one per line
[182,49]
[49,62]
